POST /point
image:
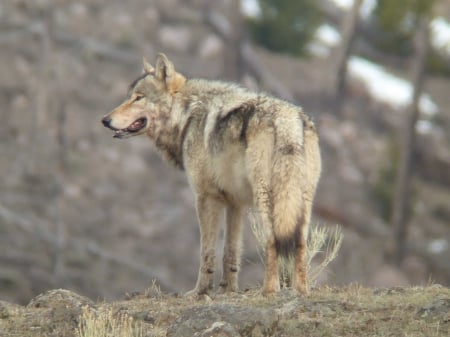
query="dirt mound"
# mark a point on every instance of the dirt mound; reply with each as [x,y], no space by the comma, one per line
[350,311]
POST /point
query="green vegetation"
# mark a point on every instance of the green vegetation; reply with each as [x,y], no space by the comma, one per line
[286,26]
[396,22]
[439,63]
[382,191]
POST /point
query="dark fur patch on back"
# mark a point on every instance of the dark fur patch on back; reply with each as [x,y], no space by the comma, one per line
[246,115]
[240,114]
[287,149]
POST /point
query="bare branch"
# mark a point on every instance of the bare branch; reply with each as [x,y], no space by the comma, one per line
[402,196]
[348,33]
[222,27]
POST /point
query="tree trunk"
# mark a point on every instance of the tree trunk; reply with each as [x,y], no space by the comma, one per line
[402,197]
[233,60]
[348,36]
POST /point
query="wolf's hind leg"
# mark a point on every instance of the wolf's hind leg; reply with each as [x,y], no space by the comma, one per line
[259,166]
[232,249]
[271,274]
[208,210]
[271,278]
[301,265]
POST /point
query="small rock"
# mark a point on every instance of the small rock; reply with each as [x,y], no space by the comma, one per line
[208,320]
[59,297]
[438,310]
[219,329]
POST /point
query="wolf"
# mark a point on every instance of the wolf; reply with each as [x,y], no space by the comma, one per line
[239,149]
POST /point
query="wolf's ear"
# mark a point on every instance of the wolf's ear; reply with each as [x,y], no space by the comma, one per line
[165,71]
[148,68]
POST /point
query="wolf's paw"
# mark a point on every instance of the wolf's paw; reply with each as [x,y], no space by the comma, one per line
[270,291]
[225,287]
[271,287]
[197,294]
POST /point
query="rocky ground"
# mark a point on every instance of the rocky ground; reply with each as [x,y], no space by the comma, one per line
[347,311]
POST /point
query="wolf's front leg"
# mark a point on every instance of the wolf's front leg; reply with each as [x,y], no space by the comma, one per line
[232,250]
[208,212]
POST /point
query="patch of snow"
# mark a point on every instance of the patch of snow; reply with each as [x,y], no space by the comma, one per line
[438,246]
[318,49]
[250,8]
[424,127]
[366,8]
[326,37]
[345,4]
[440,29]
[386,87]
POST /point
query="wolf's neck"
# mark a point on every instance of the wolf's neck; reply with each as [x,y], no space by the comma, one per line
[169,143]
[169,132]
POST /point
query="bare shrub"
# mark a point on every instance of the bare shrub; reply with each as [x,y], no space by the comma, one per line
[322,240]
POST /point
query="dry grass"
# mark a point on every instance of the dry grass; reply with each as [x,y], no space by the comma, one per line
[359,311]
[327,311]
[324,241]
[106,324]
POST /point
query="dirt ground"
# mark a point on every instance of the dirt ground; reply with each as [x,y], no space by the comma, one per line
[346,311]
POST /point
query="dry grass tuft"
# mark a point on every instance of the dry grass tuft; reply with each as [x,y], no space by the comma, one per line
[106,324]
[325,241]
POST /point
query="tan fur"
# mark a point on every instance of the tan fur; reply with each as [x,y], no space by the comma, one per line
[239,149]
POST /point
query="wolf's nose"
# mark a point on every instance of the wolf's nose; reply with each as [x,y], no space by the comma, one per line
[106,121]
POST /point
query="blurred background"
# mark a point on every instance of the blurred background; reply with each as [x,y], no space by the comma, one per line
[103,217]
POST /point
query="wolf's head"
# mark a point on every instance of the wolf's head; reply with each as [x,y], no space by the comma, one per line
[148,102]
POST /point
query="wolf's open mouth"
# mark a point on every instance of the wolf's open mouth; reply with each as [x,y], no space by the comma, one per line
[134,127]
[137,125]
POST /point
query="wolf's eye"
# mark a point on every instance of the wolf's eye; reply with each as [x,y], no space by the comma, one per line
[138,97]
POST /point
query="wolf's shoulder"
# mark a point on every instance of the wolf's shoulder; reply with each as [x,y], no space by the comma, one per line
[216,88]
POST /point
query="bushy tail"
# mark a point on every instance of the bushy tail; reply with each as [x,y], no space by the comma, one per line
[288,204]
[290,183]
[294,175]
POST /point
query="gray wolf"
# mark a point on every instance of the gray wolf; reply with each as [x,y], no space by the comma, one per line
[239,149]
